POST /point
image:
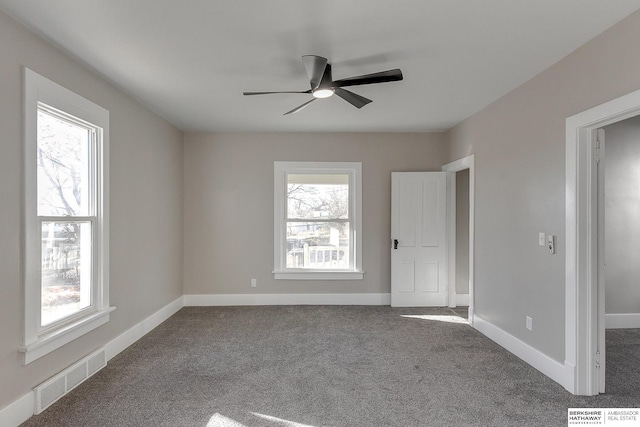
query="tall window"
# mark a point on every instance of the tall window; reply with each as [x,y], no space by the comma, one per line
[66,212]
[317,225]
[66,221]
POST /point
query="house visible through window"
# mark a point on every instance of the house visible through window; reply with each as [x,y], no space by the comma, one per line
[66,216]
[317,227]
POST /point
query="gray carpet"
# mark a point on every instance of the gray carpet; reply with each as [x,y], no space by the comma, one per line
[329,366]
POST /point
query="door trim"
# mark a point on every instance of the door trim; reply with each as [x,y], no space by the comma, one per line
[467,162]
[582,321]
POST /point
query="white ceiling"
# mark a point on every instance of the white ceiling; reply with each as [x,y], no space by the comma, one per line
[190,61]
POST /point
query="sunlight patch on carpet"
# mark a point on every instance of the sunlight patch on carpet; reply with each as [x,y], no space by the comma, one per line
[218,420]
[438,318]
[280,421]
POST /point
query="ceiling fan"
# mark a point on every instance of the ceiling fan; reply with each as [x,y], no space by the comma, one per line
[323,85]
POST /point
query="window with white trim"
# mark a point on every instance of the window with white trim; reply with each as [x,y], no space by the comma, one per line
[66,216]
[318,220]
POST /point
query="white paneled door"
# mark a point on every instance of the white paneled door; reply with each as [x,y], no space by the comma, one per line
[418,239]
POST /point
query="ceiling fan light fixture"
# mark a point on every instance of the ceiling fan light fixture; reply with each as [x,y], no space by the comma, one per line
[323,93]
[323,85]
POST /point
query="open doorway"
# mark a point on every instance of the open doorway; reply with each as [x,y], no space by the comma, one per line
[619,245]
[584,367]
[461,284]
[460,214]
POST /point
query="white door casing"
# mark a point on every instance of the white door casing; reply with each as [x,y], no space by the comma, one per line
[419,272]
[599,138]
[451,169]
[583,328]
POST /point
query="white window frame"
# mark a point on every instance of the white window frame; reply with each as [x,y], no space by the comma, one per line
[39,341]
[354,171]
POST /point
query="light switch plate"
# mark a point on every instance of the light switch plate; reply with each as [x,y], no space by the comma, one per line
[541,239]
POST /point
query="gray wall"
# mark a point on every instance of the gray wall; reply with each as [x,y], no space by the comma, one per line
[228,204]
[228,197]
[622,216]
[146,213]
[462,231]
[519,143]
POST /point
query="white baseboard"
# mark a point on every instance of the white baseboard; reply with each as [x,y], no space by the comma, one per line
[462,300]
[543,363]
[622,321]
[22,409]
[286,299]
[18,412]
[124,340]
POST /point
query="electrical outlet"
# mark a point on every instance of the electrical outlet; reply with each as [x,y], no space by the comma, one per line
[254,283]
[551,244]
[529,323]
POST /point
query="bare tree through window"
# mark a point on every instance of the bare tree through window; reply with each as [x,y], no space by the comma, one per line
[63,153]
[317,221]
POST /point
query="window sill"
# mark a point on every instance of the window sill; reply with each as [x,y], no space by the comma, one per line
[318,275]
[53,340]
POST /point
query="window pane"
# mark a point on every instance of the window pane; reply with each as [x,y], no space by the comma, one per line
[318,196]
[318,245]
[63,166]
[66,269]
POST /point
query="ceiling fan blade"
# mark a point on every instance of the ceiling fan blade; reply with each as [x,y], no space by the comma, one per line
[367,79]
[300,107]
[352,98]
[315,66]
[327,79]
[269,93]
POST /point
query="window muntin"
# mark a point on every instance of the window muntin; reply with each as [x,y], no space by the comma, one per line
[317,220]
